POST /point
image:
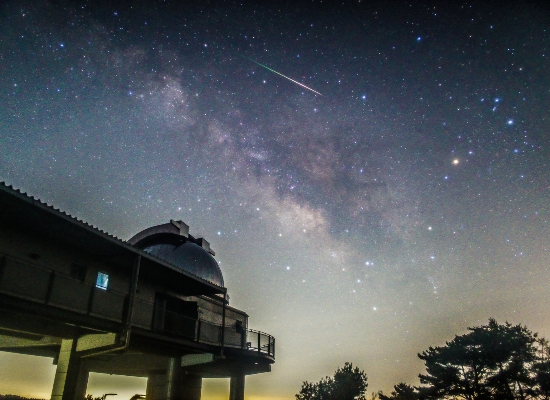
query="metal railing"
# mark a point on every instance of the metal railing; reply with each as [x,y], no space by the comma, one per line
[30,281]
[261,342]
[206,332]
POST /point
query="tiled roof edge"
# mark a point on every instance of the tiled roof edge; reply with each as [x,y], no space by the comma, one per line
[40,203]
[28,197]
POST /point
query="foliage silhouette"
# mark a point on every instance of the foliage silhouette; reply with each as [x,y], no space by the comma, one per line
[492,361]
[402,391]
[16,397]
[348,383]
[90,397]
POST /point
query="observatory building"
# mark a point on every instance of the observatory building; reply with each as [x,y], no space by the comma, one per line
[154,306]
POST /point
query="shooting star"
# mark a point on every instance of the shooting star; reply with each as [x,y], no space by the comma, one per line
[284,76]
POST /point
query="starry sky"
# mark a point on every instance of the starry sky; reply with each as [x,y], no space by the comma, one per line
[406,201]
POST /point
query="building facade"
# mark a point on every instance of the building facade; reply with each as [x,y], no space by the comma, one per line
[154,306]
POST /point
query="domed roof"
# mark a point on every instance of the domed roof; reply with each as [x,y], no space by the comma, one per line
[189,257]
[172,243]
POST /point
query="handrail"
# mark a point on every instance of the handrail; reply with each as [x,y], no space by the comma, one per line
[49,286]
[260,332]
[263,343]
[198,330]
[203,331]
[5,257]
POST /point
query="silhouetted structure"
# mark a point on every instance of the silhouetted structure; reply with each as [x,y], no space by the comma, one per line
[154,306]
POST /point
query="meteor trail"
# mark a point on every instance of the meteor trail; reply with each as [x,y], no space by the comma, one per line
[284,76]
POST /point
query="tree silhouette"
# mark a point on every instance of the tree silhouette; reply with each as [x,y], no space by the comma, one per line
[541,369]
[490,362]
[348,383]
[402,391]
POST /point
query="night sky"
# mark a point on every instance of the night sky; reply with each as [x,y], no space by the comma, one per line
[407,202]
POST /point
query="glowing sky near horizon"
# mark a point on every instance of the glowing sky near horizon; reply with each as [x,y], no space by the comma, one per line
[408,202]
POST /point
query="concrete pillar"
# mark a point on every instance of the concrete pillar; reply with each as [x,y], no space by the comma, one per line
[173,384]
[188,387]
[172,376]
[156,386]
[236,388]
[181,385]
[82,383]
[70,380]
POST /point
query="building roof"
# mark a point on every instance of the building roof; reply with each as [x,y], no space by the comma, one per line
[172,242]
[35,217]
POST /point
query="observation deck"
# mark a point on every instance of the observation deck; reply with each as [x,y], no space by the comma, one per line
[154,306]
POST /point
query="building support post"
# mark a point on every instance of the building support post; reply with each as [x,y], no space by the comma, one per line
[236,388]
[173,384]
[222,338]
[127,327]
[70,380]
[180,384]
[156,386]
[188,387]
[82,383]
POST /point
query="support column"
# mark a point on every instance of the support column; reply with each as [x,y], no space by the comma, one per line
[70,380]
[181,385]
[173,384]
[156,386]
[82,384]
[236,388]
[188,387]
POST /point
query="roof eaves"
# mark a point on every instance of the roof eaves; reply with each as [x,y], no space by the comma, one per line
[28,198]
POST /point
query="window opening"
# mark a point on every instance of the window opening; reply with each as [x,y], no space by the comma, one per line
[102,281]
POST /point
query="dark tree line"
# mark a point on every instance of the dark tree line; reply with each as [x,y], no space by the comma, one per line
[348,383]
[402,391]
[15,397]
[490,362]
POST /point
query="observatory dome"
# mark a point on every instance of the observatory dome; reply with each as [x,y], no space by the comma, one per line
[174,245]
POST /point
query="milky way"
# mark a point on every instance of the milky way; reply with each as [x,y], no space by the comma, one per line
[408,202]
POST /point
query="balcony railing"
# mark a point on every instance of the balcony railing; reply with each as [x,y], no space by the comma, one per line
[260,342]
[33,282]
[206,332]
[26,280]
